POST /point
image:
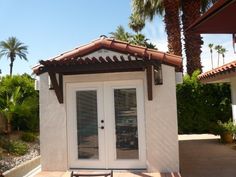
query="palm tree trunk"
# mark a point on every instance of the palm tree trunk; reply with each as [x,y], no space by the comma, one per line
[172,22]
[11,67]
[193,42]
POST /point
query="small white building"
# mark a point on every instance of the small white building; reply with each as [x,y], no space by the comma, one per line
[109,105]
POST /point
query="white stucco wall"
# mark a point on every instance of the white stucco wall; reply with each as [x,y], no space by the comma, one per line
[161,125]
[53,136]
[160,114]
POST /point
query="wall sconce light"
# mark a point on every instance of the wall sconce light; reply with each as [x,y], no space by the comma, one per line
[158,78]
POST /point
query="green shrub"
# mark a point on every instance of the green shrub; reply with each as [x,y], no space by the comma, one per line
[226,127]
[14,146]
[4,142]
[25,116]
[28,137]
[200,106]
[18,148]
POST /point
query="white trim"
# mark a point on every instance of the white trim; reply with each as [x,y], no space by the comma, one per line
[107,138]
[125,164]
[71,119]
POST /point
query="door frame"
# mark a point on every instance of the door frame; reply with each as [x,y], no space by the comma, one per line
[105,109]
[110,118]
[73,162]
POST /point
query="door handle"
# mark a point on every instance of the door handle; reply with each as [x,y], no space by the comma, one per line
[102,127]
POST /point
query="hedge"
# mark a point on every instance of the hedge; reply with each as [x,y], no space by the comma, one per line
[200,106]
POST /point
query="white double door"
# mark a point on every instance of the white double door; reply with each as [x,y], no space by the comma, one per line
[106,125]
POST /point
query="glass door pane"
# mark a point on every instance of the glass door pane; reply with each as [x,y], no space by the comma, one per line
[126,123]
[87,124]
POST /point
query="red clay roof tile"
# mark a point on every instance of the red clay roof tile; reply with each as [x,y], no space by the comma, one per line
[114,45]
[219,73]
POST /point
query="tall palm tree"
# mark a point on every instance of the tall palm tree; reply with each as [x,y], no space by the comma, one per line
[222,52]
[12,48]
[147,9]
[193,42]
[211,51]
[218,50]
[192,10]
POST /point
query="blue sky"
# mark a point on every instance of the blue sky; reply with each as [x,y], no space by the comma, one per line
[52,27]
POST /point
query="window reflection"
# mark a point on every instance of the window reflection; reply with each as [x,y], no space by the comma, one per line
[126,123]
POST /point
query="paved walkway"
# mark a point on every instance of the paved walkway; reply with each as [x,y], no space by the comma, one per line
[204,156]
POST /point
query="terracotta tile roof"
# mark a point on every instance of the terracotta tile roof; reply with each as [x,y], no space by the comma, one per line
[219,73]
[76,54]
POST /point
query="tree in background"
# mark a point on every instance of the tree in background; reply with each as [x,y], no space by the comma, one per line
[136,23]
[121,34]
[9,105]
[192,42]
[170,9]
[12,48]
[211,51]
[222,52]
[191,11]
[136,39]
[200,106]
[19,102]
[218,50]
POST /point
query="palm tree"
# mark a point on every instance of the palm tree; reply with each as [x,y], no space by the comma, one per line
[10,104]
[192,42]
[137,39]
[11,48]
[147,9]
[140,39]
[222,52]
[136,23]
[121,34]
[211,51]
[218,50]
[192,10]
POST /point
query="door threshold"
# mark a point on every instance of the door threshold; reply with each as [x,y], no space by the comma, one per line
[115,170]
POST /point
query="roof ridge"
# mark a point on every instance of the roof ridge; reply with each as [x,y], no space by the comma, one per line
[118,46]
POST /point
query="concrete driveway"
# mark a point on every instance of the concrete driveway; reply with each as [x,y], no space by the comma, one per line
[204,156]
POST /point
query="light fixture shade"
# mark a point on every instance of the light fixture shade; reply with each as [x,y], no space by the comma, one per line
[158,78]
[36,84]
[50,86]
